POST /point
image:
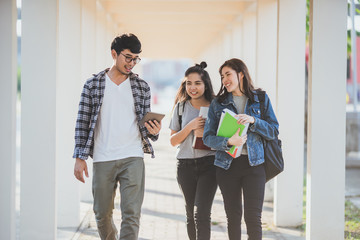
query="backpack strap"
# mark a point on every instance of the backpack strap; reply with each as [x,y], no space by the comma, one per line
[261,95]
[180,109]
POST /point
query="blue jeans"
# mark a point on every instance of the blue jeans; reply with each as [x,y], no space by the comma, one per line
[242,179]
[197,180]
[130,174]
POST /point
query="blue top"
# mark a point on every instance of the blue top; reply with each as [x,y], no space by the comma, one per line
[267,129]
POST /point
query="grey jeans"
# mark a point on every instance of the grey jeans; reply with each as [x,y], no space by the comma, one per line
[130,174]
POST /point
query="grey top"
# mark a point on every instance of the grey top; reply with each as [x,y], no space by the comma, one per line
[240,103]
[185,149]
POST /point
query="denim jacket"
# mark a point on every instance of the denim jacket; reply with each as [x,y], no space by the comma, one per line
[267,129]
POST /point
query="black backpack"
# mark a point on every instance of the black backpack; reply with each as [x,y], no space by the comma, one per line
[180,110]
[274,162]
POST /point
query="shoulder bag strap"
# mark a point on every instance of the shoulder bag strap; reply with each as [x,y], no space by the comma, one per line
[180,108]
[261,95]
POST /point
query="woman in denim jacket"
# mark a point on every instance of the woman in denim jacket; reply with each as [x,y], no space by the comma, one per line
[244,175]
[196,173]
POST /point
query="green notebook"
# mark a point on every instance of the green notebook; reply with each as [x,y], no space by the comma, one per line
[227,128]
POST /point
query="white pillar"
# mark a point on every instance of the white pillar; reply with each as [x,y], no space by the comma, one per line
[8,66]
[288,197]
[326,120]
[249,43]
[67,99]
[212,56]
[266,47]
[88,39]
[101,43]
[236,40]
[110,35]
[226,42]
[266,57]
[88,67]
[38,125]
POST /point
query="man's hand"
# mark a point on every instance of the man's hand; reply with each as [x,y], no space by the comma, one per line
[153,127]
[236,140]
[80,167]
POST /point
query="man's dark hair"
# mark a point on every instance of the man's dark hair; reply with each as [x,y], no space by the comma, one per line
[126,41]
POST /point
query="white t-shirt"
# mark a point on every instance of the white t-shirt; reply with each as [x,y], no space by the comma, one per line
[117,134]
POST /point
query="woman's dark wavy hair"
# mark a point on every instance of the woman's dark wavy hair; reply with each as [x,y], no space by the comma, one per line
[126,41]
[182,95]
[239,67]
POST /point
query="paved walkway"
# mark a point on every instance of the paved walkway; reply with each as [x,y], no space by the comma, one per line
[163,212]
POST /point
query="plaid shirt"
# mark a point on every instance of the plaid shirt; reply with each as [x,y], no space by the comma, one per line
[89,108]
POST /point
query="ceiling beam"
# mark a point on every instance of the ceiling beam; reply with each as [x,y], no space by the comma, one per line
[171,8]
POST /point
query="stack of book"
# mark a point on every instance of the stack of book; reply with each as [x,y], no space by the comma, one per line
[227,128]
[198,142]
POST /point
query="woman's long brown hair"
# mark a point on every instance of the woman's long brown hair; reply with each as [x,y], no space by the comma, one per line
[239,67]
[182,95]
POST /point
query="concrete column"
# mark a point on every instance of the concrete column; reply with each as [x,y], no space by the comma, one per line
[38,124]
[67,99]
[101,42]
[266,57]
[236,41]
[326,121]
[88,67]
[249,43]
[227,44]
[88,39]
[288,197]
[213,58]
[110,35]
[266,32]
[8,68]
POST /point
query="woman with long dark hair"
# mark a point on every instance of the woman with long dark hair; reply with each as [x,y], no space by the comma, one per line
[243,176]
[195,168]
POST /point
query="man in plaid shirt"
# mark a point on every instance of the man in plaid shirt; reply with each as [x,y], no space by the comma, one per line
[108,130]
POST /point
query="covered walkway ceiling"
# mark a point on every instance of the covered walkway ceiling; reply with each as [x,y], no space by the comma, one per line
[175,28]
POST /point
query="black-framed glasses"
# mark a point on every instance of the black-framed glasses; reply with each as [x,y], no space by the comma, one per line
[129,59]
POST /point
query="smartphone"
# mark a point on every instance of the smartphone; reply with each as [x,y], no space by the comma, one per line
[152,116]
